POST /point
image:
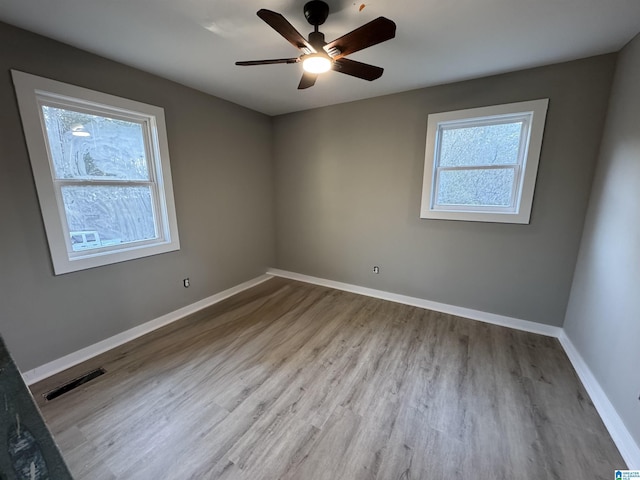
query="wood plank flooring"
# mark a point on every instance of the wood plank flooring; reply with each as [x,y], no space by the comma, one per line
[294,381]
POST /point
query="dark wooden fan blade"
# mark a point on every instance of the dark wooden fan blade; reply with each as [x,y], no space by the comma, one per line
[377,31]
[307,80]
[268,62]
[284,28]
[357,69]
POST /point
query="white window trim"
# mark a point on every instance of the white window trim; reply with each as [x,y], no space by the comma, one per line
[535,111]
[30,89]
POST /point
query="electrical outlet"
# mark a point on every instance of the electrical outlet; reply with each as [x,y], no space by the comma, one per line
[186,283]
[376,269]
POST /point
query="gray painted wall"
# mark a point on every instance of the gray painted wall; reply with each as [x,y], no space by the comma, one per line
[348,186]
[603,316]
[222,173]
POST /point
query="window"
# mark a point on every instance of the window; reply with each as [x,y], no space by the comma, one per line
[101,168]
[481,164]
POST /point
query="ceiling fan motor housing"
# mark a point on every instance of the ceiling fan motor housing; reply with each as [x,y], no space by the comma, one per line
[316,39]
[316,12]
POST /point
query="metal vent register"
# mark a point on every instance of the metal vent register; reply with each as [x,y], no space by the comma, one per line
[75,383]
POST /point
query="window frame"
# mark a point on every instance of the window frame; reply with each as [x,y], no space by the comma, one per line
[32,93]
[533,115]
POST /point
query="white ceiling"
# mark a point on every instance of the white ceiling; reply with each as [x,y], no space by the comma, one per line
[196,42]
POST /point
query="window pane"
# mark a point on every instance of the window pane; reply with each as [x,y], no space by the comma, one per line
[480,145]
[93,146]
[476,187]
[100,216]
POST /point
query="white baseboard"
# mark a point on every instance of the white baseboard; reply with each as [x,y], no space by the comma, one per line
[627,446]
[620,435]
[40,373]
[486,317]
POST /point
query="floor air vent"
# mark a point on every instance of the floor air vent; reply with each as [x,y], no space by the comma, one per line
[67,387]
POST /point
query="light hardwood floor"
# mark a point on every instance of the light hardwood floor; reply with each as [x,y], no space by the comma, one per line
[294,381]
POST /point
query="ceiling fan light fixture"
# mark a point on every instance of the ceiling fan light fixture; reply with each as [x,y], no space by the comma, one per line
[316,63]
[319,56]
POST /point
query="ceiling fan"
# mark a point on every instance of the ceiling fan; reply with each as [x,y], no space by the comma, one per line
[319,56]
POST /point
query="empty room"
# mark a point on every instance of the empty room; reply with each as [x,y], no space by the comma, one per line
[319,240]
